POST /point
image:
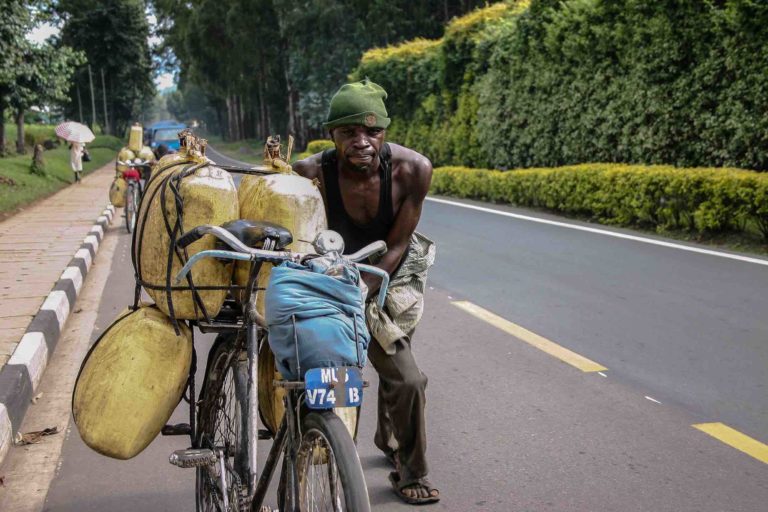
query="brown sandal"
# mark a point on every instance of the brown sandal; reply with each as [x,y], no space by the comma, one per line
[399,485]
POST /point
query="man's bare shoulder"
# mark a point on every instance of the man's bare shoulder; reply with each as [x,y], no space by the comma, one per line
[310,167]
[413,159]
[413,167]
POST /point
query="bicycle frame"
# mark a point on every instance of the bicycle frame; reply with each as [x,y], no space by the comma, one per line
[246,389]
[246,383]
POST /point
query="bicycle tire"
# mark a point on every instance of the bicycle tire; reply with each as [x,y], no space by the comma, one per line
[326,442]
[131,207]
[219,427]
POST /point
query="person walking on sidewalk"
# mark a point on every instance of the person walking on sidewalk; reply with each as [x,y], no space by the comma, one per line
[375,191]
[76,158]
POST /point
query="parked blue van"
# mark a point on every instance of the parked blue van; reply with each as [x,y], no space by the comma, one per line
[164,132]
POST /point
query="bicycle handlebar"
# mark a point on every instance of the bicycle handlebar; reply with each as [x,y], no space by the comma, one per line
[244,253]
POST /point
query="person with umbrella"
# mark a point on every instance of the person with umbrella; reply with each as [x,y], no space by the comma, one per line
[76,159]
[77,135]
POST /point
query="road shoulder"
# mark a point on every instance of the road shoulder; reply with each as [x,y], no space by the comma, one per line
[29,470]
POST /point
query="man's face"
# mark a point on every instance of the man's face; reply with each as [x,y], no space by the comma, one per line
[358,146]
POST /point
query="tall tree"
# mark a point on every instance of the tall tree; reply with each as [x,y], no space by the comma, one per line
[114,36]
[14,24]
[43,77]
[270,65]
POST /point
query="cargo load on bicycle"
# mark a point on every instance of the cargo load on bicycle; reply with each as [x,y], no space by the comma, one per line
[185,193]
[315,320]
[139,370]
[131,381]
[117,191]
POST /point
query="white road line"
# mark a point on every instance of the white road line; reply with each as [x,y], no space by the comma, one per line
[634,238]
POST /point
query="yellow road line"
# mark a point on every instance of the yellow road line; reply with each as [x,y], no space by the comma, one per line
[735,439]
[533,339]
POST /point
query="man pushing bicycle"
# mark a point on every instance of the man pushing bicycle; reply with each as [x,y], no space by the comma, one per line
[375,191]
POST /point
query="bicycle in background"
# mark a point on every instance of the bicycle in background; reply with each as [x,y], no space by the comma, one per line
[133,178]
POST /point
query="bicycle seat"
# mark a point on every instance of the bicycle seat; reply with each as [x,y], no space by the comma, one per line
[254,233]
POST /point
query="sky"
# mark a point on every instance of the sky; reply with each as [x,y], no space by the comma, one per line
[45,30]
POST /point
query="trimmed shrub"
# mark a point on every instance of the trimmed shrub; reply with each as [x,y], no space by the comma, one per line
[699,200]
[315,146]
[432,84]
[551,82]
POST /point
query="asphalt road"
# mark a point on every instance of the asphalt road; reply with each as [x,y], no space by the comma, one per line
[690,329]
[512,428]
[223,159]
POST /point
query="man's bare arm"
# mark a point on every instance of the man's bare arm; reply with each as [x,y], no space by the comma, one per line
[309,167]
[417,186]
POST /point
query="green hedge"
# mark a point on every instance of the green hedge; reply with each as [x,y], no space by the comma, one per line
[432,84]
[315,146]
[106,141]
[701,200]
[558,82]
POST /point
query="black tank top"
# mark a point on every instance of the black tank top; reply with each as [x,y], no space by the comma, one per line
[356,236]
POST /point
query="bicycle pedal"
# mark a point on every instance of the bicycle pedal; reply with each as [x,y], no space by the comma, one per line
[192,458]
[179,429]
[264,434]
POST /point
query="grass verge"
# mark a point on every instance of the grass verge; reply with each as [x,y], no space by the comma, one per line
[19,187]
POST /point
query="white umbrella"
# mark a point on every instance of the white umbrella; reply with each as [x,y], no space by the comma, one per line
[74,132]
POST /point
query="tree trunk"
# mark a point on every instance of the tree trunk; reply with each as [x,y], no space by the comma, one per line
[228,135]
[2,130]
[240,123]
[104,101]
[38,161]
[93,100]
[220,119]
[20,132]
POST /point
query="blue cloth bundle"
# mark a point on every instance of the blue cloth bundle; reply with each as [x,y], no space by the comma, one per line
[324,314]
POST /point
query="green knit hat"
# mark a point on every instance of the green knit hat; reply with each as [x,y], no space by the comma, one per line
[360,103]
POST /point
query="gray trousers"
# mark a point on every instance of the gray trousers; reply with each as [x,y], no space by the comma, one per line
[401,424]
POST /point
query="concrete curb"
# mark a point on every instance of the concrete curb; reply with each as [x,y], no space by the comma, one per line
[22,373]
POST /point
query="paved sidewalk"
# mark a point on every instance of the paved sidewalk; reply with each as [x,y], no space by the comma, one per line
[37,244]
[45,254]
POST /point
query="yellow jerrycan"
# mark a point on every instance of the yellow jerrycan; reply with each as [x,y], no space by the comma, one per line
[295,203]
[117,191]
[131,381]
[124,155]
[136,138]
[203,194]
[146,154]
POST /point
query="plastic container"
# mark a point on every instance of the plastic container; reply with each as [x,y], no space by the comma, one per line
[207,196]
[130,382]
[117,192]
[135,138]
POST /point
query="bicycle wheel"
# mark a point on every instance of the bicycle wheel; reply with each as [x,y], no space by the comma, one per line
[131,206]
[329,471]
[221,428]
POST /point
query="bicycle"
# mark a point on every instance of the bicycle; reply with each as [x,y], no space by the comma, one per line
[321,469]
[132,175]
